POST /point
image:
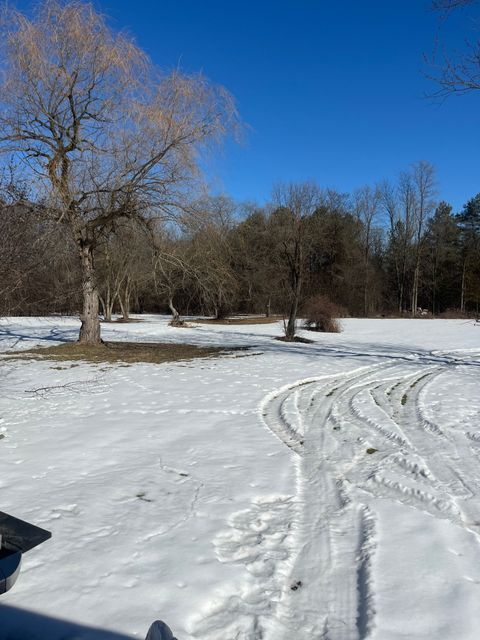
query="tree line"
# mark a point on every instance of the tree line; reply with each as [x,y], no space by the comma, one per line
[389,249]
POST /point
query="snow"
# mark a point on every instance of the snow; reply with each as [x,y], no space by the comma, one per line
[234,497]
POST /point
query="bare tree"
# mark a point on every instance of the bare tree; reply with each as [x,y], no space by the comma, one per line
[172,271]
[460,73]
[121,264]
[399,204]
[423,175]
[366,206]
[18,241]
[208,223]
[297,203]
[104,135]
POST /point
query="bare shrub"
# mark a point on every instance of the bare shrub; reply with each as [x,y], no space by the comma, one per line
[455,314]
[321,314]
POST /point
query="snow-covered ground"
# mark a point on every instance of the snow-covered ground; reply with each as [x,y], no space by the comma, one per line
[234,497]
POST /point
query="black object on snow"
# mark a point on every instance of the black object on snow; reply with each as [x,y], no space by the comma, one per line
[16,537]
[159,631]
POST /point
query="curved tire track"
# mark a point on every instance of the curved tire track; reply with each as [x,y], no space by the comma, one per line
[330,423]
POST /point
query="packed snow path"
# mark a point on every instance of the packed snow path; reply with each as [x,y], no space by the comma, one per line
[360,436]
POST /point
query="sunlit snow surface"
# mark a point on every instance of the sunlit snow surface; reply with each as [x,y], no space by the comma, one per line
[234,497]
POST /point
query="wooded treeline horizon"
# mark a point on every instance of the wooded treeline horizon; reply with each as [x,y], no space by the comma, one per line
[392,249]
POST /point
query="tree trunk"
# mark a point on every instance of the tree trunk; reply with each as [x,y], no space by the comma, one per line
[292,319]
[462,295]
[366,306]
[220,312]
[102,307]
[109,310]
[124,300]
[124,308]
[269,310]
[296,284]
[107,306]
[176,320]
[90,328]
[416,278]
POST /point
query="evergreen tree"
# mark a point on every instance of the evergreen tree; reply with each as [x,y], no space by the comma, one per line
[442,269]
[469,227]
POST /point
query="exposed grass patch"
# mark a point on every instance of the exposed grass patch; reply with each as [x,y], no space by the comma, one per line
[63,367]
[404,399]
[392,389]
[425,375]
[295,339]
[126,352]
[128,320]
[243,320]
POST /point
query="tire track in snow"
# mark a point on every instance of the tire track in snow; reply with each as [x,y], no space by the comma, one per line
[330,423]
[332,562]
[453,461]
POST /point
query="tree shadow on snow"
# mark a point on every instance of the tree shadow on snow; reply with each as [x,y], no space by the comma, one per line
[55,334]
[364,352]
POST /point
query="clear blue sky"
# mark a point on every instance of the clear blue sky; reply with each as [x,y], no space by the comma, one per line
[331,90]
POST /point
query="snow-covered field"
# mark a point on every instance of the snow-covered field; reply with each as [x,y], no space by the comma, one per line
[234,497]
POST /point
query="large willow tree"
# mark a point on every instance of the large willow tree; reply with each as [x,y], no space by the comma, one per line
[102,133]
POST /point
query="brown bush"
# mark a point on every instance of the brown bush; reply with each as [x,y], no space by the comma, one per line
[455,314]
[321,315]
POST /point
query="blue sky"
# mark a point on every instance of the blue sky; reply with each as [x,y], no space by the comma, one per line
[331,91]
